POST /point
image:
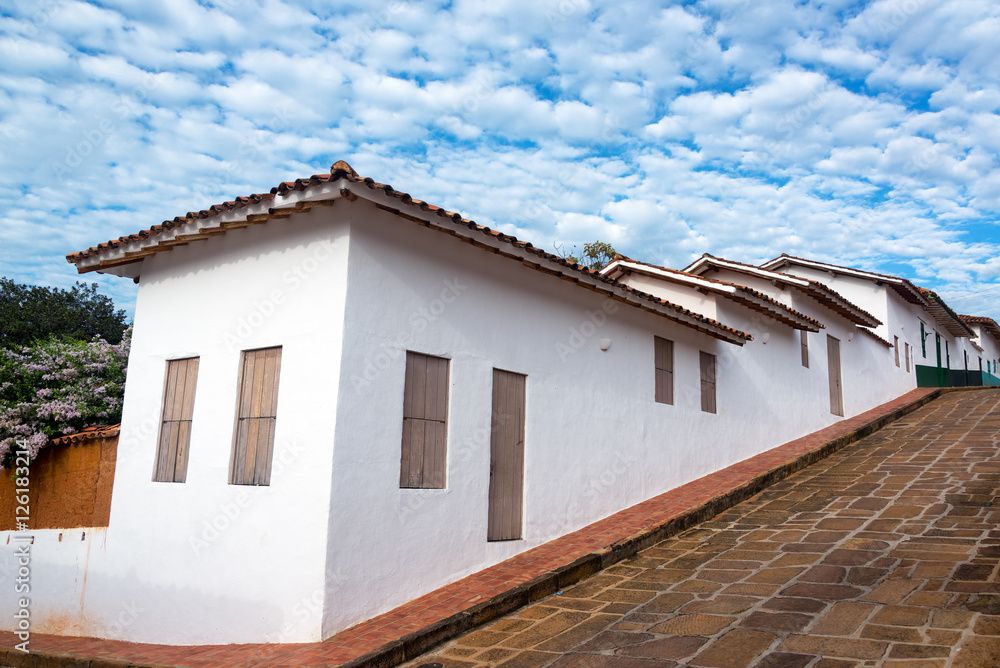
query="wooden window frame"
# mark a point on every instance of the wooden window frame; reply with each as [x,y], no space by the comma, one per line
[508,419]
[709,369]
[663,363]
[895,346]
[804,347]
[906,349]
[423,460]
[174,439]
[256,408]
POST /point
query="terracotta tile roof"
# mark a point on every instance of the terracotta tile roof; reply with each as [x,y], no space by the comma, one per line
[948,319]
[988,324]
[197,226]
[746,296]
[873,335]
[822,293]
[88,434]
[902,286]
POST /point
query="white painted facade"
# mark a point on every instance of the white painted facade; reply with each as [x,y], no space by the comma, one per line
[346,290]
[868,372]
[904,321]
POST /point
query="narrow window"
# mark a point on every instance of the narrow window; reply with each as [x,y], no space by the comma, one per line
[255,417]
[980,363]
[664,362]
[947,355]
[708,382]
[923,340]
[805,348]
[833,366]
[895,346]
[425,418]
[906,349]
[175,424]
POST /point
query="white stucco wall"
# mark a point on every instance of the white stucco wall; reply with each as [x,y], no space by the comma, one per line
[699,302]
[596,442]
[859,291]
[206,561]
[868,373]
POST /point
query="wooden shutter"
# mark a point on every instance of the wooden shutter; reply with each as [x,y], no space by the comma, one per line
[506,495]
[664,363]
[708,382]
[175,425]
[804,335]
[425,422]
[906,350]
[833,363]
[895,345]
[256,415]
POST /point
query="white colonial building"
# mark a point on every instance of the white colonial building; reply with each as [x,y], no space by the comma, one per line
[340,398]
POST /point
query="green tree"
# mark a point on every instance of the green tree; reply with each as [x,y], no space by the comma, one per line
[32,312]
[595,255]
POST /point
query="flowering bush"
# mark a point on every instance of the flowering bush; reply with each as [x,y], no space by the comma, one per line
[57,387]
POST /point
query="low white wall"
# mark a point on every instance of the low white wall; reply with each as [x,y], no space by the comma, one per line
[206,561]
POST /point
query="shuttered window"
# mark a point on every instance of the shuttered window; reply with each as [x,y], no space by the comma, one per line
[805,348]
[664,362]
[256,416]
[425,422]
[906,349]
[895,346]
[175,425]
[708,382]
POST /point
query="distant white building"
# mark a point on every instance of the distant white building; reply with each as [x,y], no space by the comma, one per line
[340,398]
[937,338]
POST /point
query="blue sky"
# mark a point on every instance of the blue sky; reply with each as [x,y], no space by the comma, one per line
[861,133]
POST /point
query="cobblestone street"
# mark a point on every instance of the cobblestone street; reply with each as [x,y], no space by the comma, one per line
[884,554]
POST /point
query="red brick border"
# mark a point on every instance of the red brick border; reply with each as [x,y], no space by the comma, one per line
[415,627]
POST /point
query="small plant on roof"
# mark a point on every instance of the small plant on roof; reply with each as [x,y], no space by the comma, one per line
[596,254]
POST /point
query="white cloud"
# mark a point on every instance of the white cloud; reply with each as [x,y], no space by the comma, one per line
[856,132]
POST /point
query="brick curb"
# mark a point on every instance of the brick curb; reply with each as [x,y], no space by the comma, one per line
[414,644]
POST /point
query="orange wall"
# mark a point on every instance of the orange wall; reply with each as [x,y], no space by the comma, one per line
[70,486]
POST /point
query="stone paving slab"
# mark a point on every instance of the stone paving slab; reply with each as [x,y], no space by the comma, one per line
[884,554]
[423,623]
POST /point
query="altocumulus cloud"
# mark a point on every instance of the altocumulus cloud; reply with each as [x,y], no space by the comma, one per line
[863,133]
